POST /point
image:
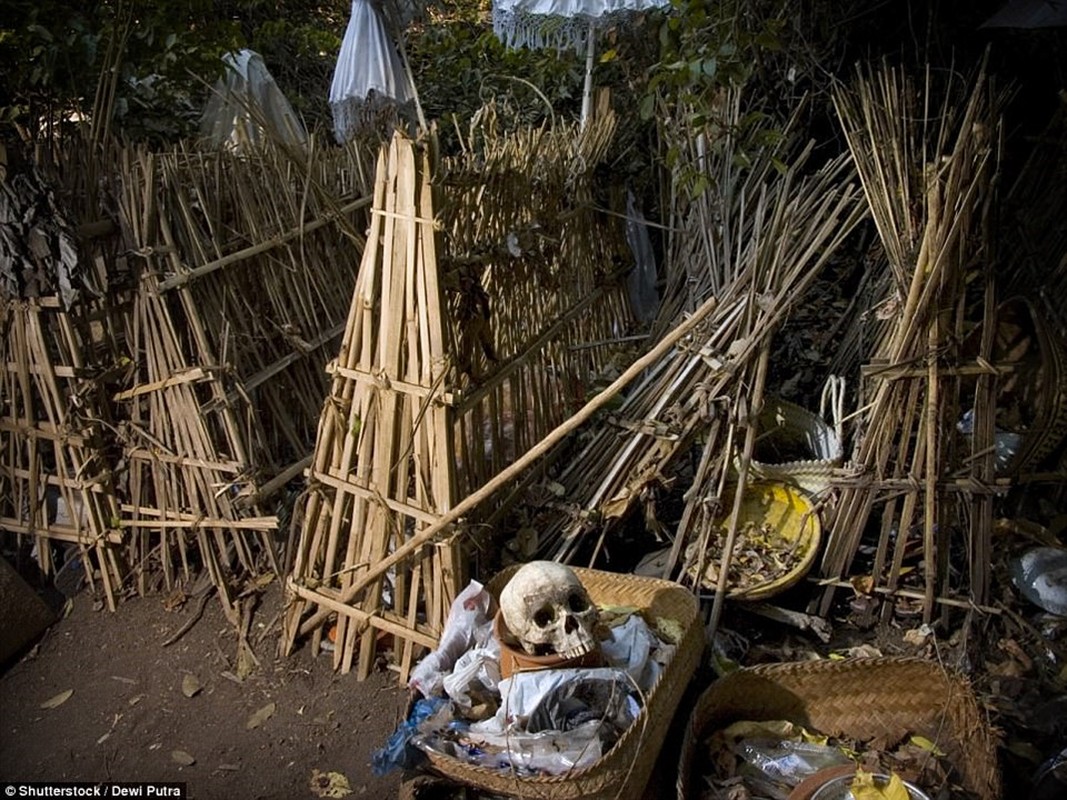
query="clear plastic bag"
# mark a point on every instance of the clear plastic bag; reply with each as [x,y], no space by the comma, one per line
[641,282]
[468,626]
[246,107]
[789,762]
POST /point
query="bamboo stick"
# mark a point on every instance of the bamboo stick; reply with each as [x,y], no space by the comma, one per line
[751,431]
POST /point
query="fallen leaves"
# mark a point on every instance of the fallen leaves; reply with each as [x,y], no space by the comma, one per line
[58,700]
[190,685]
[329,784]
[918,637]
[261,716]
[182,757]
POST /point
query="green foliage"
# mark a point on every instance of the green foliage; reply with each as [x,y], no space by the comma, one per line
[158,56]
[707,47]
[459,65]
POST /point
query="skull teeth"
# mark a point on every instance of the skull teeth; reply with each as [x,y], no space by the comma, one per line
[577,652]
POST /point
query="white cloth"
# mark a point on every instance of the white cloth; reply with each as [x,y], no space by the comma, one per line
[367,64]
[560,24]
[247,106]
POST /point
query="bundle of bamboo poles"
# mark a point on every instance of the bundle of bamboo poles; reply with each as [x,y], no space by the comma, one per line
[927,156]
[754,239]
[457,359]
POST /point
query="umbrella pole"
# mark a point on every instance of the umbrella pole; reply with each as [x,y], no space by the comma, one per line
[587,92]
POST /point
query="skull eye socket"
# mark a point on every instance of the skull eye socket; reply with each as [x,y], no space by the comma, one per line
[543,616]
[576,603]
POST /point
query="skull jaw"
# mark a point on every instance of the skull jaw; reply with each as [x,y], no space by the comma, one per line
[514,658]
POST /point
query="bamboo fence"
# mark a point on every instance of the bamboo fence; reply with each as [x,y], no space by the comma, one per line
[55,484]
[56,480]
[182,393]
[928,159]
[481,273]
[240,263]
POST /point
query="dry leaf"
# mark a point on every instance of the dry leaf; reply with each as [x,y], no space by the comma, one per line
[770,729]
[917,637]
[926,744]
[58,700]
[863,651]
[866,787]
[329,784]
[863,584]
[181,757]
[246,661]
[261,716]
[190,685]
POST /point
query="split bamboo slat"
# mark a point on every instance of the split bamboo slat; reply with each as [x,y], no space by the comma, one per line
[58,345]
[928,157]
[481,273]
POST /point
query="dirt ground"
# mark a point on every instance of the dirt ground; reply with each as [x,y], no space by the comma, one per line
[100,698]
[129,717]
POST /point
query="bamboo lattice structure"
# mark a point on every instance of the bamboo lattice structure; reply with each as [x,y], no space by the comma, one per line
[480,274]
[928,171]
[57,329]
[755,239]
[182,390]
[55,484]
[240,263]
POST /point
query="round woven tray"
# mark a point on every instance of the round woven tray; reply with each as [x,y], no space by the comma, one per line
[857,698]
[792,517]
[624,770]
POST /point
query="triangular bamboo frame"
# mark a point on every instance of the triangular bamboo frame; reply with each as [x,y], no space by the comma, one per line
[384,458]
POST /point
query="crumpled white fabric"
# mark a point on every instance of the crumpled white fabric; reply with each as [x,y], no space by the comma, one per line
[368,72]
[246,106]
[468,627]
[560,24]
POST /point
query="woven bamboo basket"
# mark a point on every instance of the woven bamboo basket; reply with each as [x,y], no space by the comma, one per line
[859,698]
[624,770]
[816,446]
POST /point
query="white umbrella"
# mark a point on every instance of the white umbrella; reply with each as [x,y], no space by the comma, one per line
[369,72]
[564,25]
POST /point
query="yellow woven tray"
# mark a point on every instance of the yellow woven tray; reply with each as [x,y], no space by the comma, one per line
[624,770]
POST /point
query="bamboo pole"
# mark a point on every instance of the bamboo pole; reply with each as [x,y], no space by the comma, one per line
[751,430]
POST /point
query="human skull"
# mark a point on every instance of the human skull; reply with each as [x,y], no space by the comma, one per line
[547,609]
